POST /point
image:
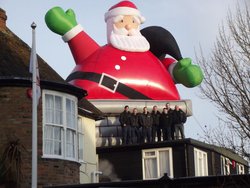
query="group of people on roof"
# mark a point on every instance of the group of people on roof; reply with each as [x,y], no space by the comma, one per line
[154,126]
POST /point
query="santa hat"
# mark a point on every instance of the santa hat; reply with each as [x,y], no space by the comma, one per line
[124,8]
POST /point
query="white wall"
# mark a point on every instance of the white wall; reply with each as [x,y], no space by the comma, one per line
[90,163]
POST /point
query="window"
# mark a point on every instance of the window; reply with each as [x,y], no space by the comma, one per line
[225,165]
[157,162]
[240,169]
[80,139]
[60,125]
[200,163]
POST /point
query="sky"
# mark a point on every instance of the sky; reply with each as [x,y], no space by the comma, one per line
[193,23]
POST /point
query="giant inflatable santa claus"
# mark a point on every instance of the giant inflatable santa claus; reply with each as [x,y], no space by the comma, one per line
[132,65]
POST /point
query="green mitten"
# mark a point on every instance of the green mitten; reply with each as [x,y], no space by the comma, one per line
[187,74]
[59,21]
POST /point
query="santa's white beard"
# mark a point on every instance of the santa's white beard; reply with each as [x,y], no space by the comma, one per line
[131,40]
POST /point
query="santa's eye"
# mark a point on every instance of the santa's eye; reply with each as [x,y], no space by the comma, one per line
[133,21]
[121,21]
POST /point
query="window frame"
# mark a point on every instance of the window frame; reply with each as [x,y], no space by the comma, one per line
[240,171]
[204,159]
[225,165]
[63,125]
[157,156]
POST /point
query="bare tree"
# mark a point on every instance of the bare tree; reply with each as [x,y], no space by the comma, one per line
[227,81]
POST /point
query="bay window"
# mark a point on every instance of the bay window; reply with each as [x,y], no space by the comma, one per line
[59,125]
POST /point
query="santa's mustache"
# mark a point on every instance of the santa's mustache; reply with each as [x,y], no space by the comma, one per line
[123,31]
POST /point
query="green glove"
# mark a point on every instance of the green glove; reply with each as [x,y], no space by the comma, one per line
[187,74]
[59,21]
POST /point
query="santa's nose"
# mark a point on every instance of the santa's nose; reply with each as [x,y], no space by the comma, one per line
[128,27]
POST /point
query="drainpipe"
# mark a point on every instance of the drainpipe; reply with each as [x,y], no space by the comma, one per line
[186,160]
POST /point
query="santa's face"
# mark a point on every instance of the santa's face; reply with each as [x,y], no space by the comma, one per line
[127,22]
[124,33]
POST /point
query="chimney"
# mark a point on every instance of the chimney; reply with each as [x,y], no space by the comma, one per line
[3,19]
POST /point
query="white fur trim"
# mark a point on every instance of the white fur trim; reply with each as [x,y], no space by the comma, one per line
[123,11]
[171,69]
[72,33]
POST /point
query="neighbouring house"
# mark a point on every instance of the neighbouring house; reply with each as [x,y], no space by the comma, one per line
[176,158]
[66,121]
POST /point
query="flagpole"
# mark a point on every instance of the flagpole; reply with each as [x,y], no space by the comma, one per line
[34,107]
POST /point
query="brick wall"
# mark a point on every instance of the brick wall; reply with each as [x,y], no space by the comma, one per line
[16,122]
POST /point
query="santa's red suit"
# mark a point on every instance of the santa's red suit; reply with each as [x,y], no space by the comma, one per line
[109,73]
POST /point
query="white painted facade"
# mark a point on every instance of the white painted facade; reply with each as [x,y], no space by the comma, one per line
[89,165]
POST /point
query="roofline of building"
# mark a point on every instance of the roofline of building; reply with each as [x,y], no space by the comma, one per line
[89,114]
[55,86]
[220,150]
[26,82]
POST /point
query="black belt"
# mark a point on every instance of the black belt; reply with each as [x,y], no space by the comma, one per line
[109,83]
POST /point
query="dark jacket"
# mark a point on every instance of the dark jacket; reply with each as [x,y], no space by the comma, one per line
[179,117]
[134,120]
[146,120]
[165,120]
[124,118]
[156,118]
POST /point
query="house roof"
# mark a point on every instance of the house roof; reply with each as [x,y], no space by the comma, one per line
[89,110]
[14,66]
[14,69]
[15,60]
[15,57]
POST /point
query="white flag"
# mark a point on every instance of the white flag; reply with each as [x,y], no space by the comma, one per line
[35,71]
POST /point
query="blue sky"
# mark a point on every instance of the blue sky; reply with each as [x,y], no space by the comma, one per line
[193,23]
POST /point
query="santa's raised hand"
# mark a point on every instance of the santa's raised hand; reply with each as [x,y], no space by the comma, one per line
[59,21]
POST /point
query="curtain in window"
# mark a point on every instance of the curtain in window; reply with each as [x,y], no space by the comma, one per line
[164,163]
[53,107]
[70,114]
[70,143]
[150,166]
[200,163]
[196,166]
[60,128]
[53,140]
[80,139]
[49,108]
[48,140]
[58,134]
[204,164]
[80,146]
[58,110]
